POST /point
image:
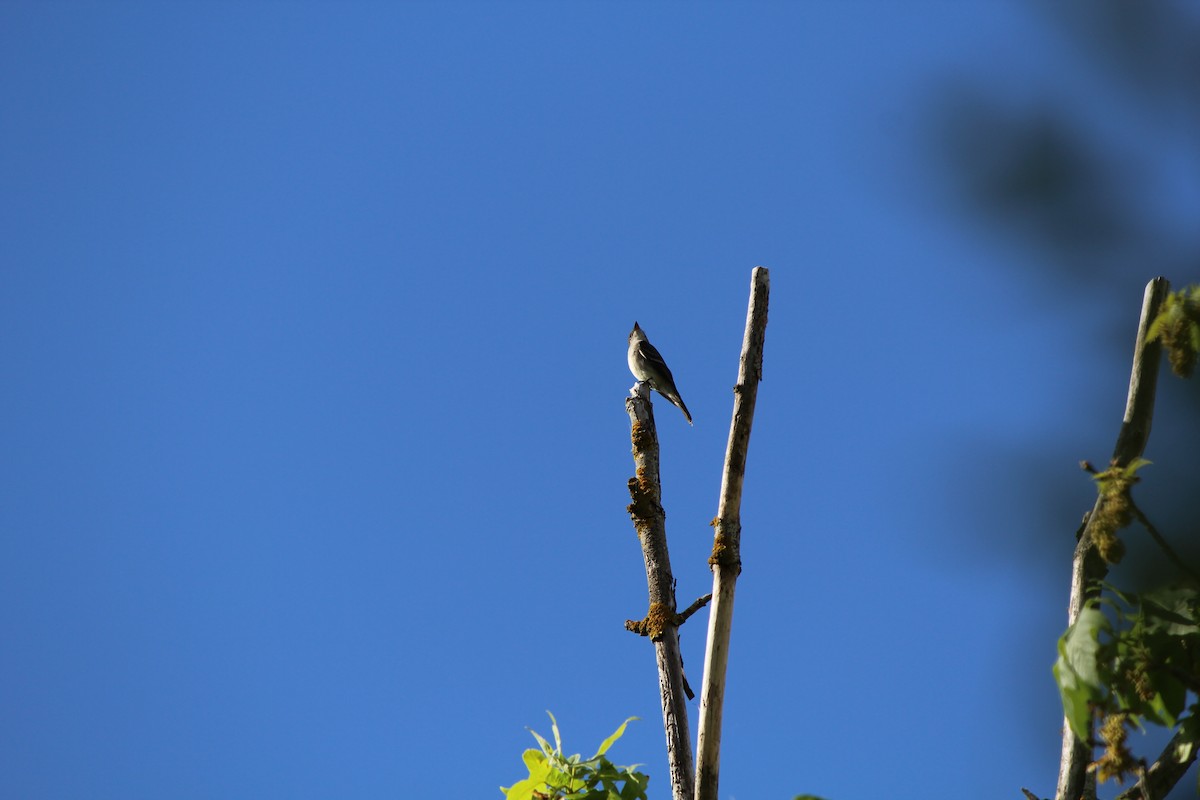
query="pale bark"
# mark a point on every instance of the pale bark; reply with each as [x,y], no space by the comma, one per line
[726,560]
[1087,567]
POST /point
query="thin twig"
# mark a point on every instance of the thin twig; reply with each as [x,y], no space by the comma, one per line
[1087,567]
[726,557]
[1162,542]
[700,603]
[1166,771]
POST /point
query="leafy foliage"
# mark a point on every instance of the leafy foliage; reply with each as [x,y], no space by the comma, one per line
[1138,663]
[1134,658]
[554,776]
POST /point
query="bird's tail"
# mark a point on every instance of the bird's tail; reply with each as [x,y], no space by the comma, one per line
[677,400]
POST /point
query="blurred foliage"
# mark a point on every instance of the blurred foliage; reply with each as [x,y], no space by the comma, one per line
[1091,182]
[1132,659]
[1138,664]
[1094,168]
[1081,184]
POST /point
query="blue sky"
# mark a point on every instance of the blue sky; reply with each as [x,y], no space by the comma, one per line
[314,320]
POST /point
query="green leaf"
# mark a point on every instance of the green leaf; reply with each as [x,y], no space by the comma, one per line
[572,778]
[607,743]
[1077,670]
[521,790]
[546,748]
[635,786]
[1187,745]
[1178,621]
[1169,701]
[1075,698]
[1135,465]
[1176,605]
[535,761]
[1080,646]
[539,771]
[557,738]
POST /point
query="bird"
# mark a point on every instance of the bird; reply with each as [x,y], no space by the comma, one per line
[646,364]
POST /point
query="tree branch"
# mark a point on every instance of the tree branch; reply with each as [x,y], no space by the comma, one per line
[726,560]
[660,623]
[1165,772]
[1165,546]
[700,603]
[1087,567]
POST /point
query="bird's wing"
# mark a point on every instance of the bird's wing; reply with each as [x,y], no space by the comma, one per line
[652,356]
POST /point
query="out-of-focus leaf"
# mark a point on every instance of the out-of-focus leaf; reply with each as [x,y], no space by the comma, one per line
[1077,670]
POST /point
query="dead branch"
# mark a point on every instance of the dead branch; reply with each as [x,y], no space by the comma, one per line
[726,560]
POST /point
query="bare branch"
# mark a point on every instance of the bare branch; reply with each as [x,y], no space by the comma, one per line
[726,560]
[700,603]
[660,623]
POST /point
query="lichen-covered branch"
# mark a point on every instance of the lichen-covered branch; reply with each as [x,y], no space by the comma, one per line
[661,622]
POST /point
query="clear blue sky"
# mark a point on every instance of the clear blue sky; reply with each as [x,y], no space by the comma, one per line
[313,322]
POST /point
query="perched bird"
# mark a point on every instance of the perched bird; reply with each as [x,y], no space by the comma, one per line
[646,364]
